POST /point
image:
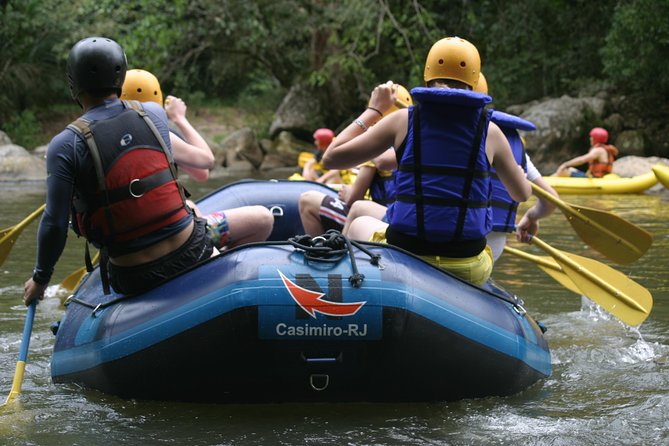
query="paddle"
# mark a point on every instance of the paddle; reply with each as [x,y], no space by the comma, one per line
[23,354]
[549,266]
[8,236]
[73,279]
[610,289]
[613,236]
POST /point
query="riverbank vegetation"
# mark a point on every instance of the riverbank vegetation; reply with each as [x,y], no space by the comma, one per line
[248,54]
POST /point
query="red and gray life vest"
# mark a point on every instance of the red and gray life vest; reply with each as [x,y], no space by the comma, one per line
[135,192]
[442,181]
[503,206]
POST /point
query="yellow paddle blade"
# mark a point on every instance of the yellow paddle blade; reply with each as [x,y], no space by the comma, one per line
[72,280]
[609,288]
[6,244]
[75,277]
[9,236]
[613,236]
[549,266]
[18,381]
[5,231]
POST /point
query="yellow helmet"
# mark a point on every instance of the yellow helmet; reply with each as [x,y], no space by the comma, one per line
[140,85]
[482,85]
[402,100]
[453,58]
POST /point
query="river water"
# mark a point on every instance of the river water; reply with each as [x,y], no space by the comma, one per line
[610,383]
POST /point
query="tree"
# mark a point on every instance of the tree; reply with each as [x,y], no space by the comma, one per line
[636,53]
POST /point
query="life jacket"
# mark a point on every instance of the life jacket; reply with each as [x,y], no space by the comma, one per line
[382,189]
[442,183]
[135,191]
[503,206]
[596,168]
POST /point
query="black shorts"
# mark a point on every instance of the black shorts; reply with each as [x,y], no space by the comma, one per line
[140,278]
[333,213]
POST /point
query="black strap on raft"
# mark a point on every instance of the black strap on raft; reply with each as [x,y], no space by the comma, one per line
[332,247]
[476,146]
[104,268]
[418,174]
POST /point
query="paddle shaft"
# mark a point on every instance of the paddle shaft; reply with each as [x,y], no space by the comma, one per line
[8,236]
[550,267]
[25,222]
[23,353]
[531,257]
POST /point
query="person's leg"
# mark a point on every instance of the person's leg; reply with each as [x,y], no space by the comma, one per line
[248,224]
[310,205]
[362,228]
[361,208]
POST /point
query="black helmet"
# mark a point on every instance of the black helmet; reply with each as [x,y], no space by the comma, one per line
[96,63]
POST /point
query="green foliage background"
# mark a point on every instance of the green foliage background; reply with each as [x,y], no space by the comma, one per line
[253,51]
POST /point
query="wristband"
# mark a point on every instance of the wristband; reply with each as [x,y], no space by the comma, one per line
[39,278]
[376,110]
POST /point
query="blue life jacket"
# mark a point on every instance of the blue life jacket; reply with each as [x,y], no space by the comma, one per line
[503,206]
[382,189]
[442,183]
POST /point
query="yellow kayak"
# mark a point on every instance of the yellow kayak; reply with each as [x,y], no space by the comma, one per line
[661,171]
[609,184]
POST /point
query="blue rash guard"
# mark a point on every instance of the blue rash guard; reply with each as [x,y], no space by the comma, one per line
[67,157]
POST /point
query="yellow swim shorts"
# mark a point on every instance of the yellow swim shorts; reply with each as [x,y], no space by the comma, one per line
[476,269]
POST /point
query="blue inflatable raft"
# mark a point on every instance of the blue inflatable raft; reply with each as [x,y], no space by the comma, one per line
[313,319]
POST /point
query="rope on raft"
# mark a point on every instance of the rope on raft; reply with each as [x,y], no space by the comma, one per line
[332,247]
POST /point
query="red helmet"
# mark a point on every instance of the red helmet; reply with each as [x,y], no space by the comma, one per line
[599,135]
[324,137]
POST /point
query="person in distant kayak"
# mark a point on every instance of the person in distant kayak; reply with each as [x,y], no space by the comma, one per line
[600,158]
[313,170]
[445,145]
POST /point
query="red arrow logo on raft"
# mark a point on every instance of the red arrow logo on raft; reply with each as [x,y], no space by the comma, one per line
[312,302]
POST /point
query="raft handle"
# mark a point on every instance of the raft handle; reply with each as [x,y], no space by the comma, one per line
[277,211]
[323,381]
[519,309]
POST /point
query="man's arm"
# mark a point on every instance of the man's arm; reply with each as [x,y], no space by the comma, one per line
[52,231]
